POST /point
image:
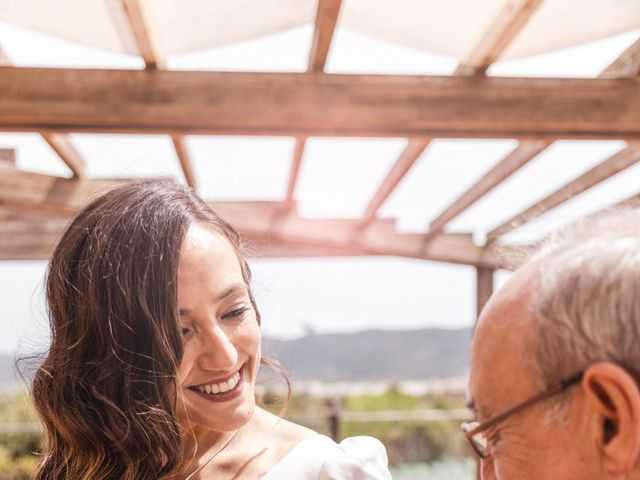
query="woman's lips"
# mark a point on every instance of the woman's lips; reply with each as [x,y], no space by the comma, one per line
[234,386]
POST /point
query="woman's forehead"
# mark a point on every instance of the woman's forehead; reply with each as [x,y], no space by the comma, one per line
[207,254]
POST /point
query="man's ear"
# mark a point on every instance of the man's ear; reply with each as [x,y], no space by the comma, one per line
[614,398]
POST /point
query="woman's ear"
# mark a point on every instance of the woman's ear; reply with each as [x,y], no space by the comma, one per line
[613,397]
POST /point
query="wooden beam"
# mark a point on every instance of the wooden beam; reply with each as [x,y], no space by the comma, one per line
[511,19]
[8,157]
[503,29]
[139,21]
[61,144]
[409,156]
[519,157]
[626,66]
[615,164]
[301,237]
[27,191]
[4,58]
[63,100]
[294,172]
[326,20]
[185,162]
[631,202]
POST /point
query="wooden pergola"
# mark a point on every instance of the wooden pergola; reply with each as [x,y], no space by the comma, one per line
[536,111]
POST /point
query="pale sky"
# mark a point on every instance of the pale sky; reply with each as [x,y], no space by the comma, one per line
[326,295]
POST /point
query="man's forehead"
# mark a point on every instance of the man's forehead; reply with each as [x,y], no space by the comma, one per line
[500,356]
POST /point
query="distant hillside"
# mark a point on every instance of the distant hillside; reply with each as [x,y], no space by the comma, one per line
[374,355]
[369,356]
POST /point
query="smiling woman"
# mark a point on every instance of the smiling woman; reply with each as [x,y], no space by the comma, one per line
[155,351]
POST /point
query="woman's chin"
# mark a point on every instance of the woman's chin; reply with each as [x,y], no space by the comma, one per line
[219,420]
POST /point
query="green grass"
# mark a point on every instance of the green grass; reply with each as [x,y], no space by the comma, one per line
[16,408]
[406,441]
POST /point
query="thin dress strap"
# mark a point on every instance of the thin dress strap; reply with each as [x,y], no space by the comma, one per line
[224,445]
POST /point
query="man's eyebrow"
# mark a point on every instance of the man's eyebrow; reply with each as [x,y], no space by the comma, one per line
[471,405]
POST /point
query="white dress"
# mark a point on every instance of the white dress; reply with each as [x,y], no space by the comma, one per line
[319,458]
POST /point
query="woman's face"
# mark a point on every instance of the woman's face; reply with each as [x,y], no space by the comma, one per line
[221,335]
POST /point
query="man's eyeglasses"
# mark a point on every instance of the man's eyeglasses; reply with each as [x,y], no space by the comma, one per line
[475,432]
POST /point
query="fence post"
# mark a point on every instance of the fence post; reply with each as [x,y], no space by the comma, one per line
[333,405]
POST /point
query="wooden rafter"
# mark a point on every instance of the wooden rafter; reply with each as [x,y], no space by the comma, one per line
[519,157]
[139,21]
[503,29]
[630,202]
[185,162]
[409,156]
[296,162]
[615,164]
[626,66]
[61,144]
[326,20]
[27,190]
[64,100]
[8,157]
[31,192]
[510,20]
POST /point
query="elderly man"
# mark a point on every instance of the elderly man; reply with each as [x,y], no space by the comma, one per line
[555,363]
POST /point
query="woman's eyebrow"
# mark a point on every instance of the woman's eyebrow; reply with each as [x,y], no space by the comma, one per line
[239,286]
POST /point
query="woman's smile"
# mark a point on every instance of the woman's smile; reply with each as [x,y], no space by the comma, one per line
[221,390]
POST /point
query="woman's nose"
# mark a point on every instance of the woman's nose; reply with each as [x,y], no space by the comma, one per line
[218,351]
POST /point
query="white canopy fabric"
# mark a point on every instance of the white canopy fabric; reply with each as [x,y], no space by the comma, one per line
[450,27]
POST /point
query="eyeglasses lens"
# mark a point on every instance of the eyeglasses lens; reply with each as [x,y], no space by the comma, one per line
[478,441]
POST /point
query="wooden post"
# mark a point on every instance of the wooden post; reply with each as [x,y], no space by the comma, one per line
[8,157]
[484,287]
[333,405]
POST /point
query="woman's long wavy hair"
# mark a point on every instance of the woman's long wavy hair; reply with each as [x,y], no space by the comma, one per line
[107,387]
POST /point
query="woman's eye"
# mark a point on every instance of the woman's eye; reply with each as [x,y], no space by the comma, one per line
[236,313]
[186,331]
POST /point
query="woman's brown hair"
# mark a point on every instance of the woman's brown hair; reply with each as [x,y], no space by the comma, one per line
[106,389]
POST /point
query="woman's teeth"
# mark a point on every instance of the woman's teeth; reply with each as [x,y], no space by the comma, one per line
[221,387]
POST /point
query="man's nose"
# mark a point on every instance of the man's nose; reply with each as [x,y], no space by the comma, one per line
[218,351]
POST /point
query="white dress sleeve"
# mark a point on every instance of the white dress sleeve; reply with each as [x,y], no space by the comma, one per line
[356,458]
[320,458]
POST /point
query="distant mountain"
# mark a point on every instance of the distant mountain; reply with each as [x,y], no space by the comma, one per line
[374,355]
[369,355]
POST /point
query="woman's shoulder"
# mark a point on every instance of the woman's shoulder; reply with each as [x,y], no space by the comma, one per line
[318,457]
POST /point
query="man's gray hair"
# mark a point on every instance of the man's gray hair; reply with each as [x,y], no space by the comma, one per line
[587,306]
